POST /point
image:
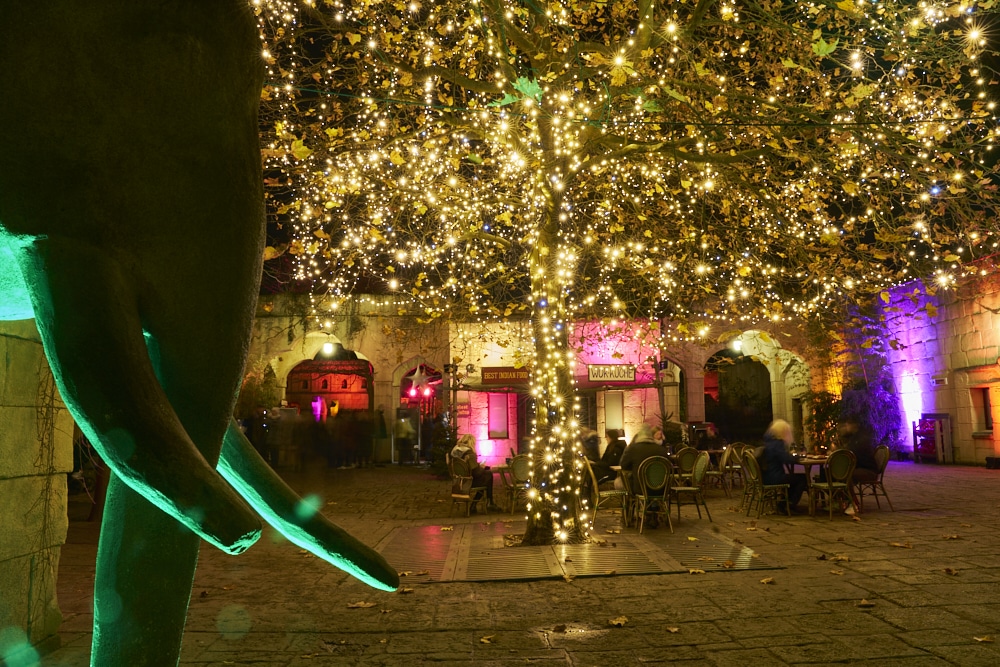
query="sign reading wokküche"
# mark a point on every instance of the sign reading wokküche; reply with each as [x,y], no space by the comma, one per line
[504,375]
[611,372]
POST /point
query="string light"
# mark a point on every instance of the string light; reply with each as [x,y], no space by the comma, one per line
[738,167]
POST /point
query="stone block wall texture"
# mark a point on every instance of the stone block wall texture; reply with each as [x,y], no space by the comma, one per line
[36,452]
[945,351]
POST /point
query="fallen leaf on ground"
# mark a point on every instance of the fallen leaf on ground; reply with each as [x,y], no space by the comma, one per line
[988,639]
[618,622]
[865,604]
[559,628]
[673,631]
[767,580]
[405,591]
[360,605]
[901,545]
[696,571]
[950,571]
[488,639]
[837,572]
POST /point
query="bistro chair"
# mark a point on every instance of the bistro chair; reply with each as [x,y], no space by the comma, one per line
[684,460]
[652,480]
[837,482]
[462,490]
[759,494]
[875,487]
[723,472]
[518,480]
[735,465]
[693,488]
[605,497]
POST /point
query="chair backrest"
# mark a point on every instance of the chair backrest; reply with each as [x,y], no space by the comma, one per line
[654,476]
[735,455]
[520,469]
[685,459]
[881,459]
[588,470]
[727,454]
[460,467]
[700,468]
[751,467]
[840,465]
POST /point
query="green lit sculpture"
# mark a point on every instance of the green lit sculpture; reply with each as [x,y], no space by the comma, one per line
[131,229]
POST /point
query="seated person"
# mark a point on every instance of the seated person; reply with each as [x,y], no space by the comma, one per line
[481,475]
[777,440]
[612,455]
[591,445]
[856,438]
[643,446]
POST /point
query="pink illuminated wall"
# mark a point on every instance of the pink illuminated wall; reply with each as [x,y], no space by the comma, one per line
[919,355]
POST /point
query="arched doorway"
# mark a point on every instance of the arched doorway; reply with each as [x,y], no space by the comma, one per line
[333,382]
[417,414]
[737,396]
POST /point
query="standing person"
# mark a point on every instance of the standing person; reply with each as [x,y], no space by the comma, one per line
[777,441]
[465,449]
[404,434]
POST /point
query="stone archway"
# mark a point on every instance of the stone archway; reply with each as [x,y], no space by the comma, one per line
[737,395]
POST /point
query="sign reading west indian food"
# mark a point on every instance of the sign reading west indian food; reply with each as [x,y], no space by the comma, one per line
[504,375]
[611,372]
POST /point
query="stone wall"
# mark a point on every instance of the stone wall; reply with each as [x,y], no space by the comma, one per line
[36,452]
[949,346]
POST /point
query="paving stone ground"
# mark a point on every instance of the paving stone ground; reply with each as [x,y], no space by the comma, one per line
[929,572]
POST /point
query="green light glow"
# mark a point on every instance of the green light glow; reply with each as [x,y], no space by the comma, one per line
[296,518]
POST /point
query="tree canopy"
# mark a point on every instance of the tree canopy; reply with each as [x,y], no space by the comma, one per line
[698,161]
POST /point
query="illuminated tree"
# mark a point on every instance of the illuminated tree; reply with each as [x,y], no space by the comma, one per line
[698,162]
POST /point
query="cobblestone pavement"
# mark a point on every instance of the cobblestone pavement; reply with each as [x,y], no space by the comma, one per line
[918,586]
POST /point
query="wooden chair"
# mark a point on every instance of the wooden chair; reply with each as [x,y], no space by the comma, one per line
[684,460]
[462,490]
[723,474]
[692,488]
[837,484]
[517,480]
[605,497]
[875,486]
[653,482]
[760,494]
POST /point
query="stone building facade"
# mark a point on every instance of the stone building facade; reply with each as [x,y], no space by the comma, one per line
[946,366]
[36,453]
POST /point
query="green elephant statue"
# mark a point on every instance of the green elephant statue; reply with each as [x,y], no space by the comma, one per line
[132,231]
